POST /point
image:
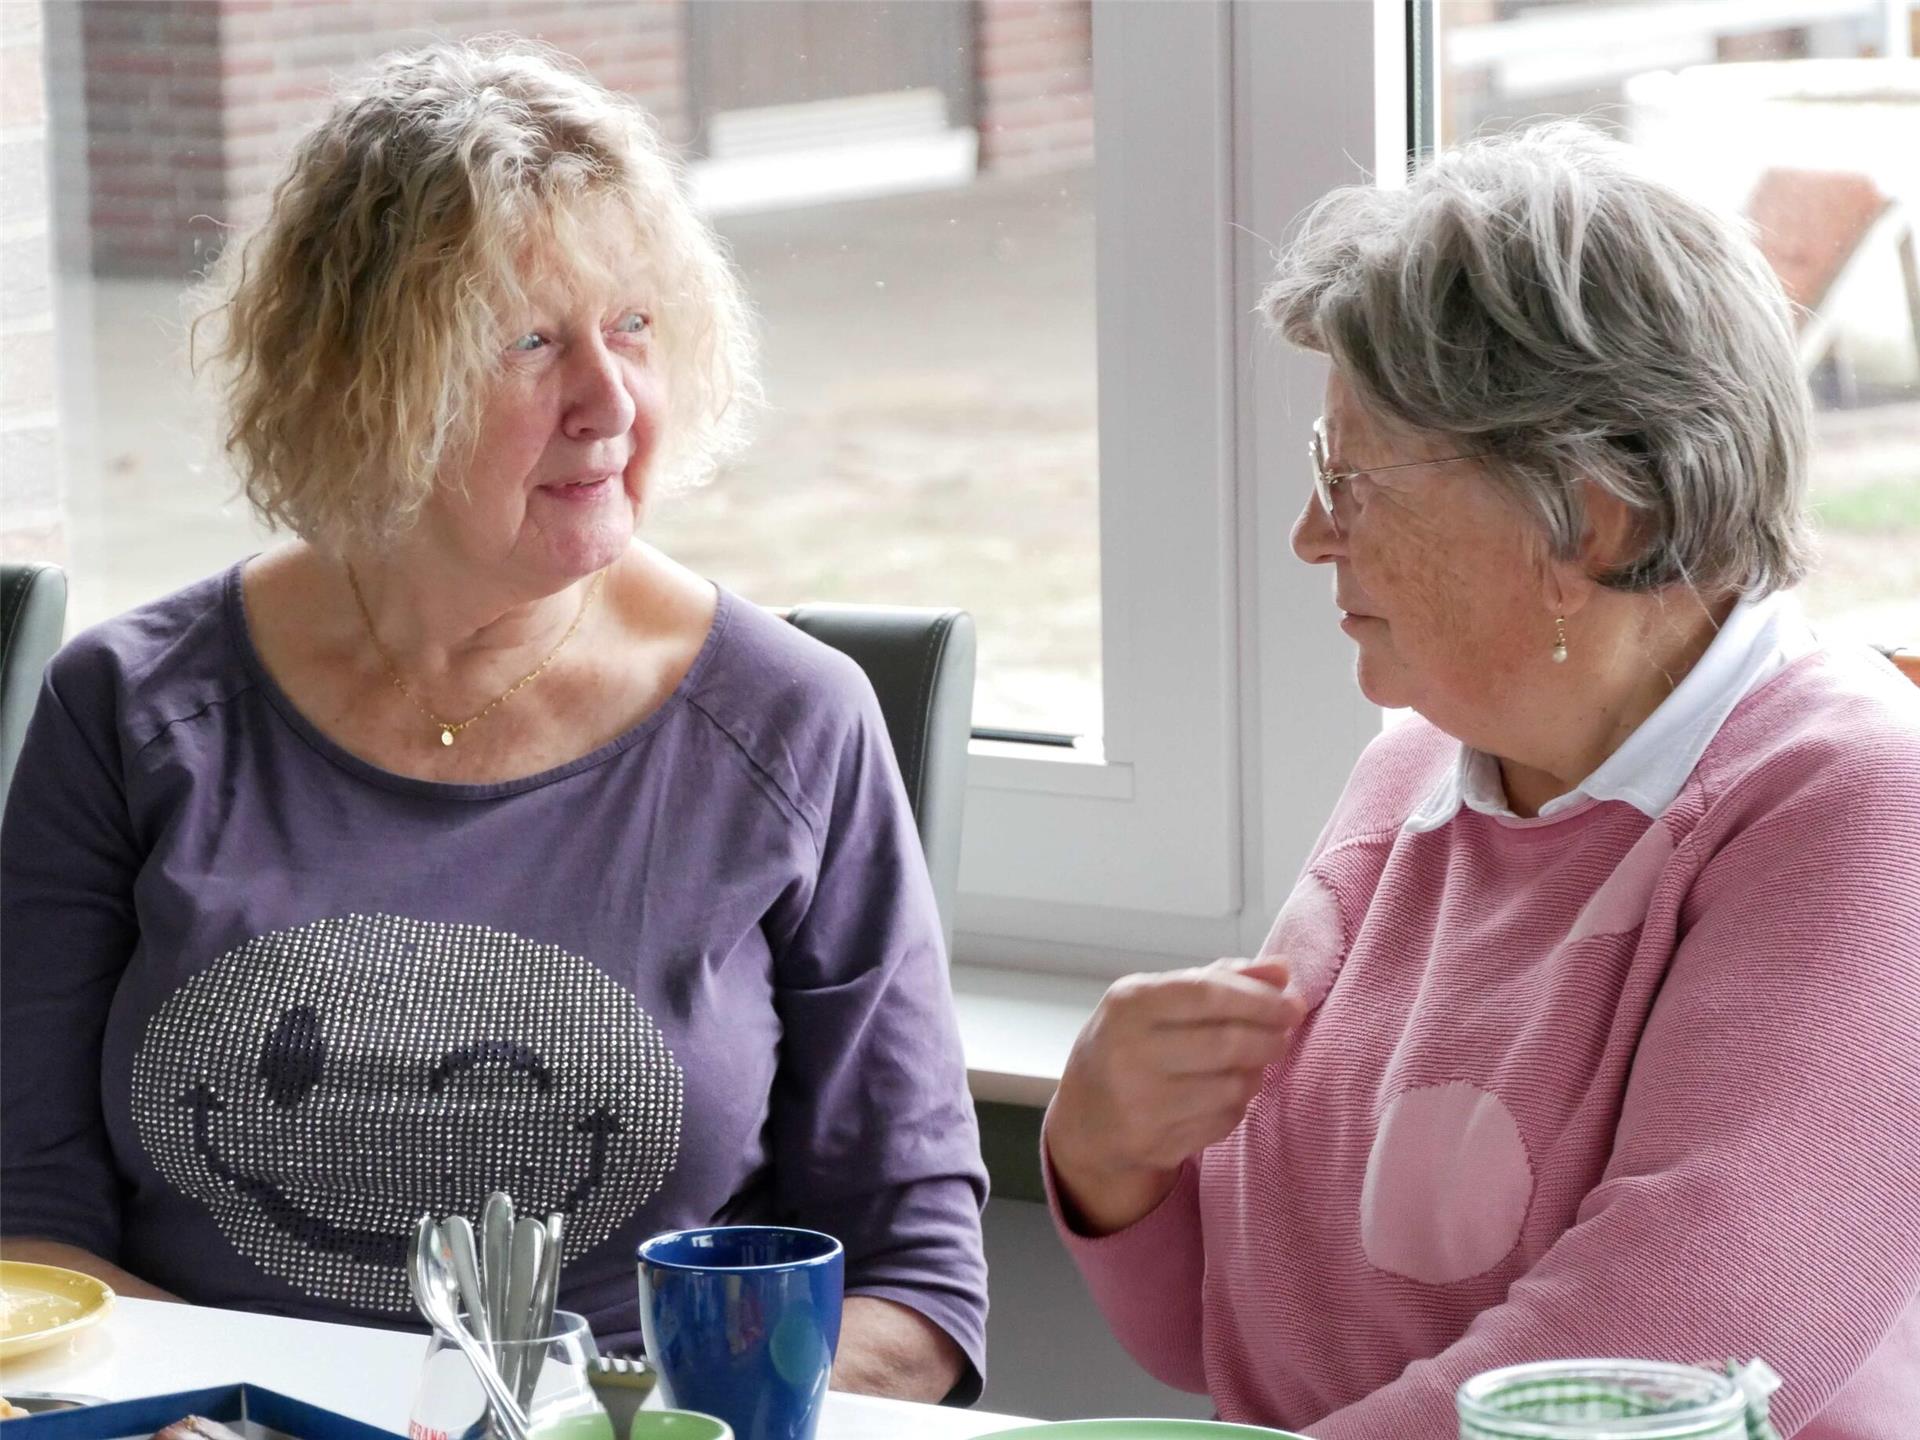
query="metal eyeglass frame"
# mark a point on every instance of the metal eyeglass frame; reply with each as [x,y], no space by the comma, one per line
[1324,480]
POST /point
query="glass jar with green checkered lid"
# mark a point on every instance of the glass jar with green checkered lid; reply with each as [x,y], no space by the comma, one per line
[1616,1400]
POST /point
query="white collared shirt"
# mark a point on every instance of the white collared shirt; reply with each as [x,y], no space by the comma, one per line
[1759,638]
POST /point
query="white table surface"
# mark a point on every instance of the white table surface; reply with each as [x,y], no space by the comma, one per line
[147,1347]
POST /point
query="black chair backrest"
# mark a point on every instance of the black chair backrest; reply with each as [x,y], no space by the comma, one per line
[920,662]
[33,612]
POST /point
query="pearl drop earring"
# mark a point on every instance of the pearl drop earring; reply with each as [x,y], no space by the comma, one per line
[1559,640]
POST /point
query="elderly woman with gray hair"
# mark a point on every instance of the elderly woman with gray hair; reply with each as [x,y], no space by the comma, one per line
[1590,1026]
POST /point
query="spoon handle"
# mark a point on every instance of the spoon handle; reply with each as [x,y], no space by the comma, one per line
[466,1270]
[546,1288]
[529,1244]
[496,1244]
[546,1296]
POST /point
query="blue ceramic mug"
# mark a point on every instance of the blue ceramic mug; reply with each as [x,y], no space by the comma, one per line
[741,1321]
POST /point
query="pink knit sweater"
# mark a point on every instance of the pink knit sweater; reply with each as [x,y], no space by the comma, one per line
[1595,1085]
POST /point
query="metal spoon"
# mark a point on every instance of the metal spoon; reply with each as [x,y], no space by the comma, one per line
[546,1291]
[496,1241]
[434,1293]
[523,1271]
[461,1251]
[546,1288]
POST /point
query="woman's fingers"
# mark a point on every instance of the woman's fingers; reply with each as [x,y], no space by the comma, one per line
[1226,990]
[1167,1066]
[1211,1021]
[1220,1048]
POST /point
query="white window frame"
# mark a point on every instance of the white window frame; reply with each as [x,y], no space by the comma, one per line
[1231,716]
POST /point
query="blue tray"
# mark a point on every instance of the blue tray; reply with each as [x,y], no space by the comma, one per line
[235,1405]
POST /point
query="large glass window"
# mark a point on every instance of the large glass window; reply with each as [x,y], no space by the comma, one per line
[906,187]
[931,348]
[1800,114]
[942,257]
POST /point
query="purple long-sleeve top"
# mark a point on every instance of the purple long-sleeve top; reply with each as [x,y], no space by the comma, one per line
[265,1003]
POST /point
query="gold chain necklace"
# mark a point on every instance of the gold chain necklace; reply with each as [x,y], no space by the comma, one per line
[450,728]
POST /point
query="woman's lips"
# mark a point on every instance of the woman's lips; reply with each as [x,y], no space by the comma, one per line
[578,491]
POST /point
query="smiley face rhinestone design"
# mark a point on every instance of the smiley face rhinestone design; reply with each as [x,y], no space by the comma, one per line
[317,1088]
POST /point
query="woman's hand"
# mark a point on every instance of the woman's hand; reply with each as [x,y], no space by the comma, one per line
[1166,1066]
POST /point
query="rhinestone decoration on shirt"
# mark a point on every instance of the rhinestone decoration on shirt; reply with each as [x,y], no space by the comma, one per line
[316,1088]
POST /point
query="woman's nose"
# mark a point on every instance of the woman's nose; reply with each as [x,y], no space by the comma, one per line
[599,404]
[1314,538]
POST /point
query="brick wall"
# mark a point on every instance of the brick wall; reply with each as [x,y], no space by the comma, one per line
[192,104]
[154,132]
[30,487]
[1036,84]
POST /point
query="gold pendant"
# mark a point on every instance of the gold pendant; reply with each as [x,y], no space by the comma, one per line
[446,735]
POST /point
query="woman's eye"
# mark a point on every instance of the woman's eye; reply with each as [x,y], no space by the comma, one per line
[532,340]
[632,323]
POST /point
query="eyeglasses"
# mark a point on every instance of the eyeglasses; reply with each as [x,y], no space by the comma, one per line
[1325,480]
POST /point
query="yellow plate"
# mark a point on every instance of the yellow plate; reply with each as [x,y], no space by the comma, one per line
[40,1304]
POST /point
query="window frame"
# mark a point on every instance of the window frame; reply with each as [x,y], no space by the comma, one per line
[1231,717]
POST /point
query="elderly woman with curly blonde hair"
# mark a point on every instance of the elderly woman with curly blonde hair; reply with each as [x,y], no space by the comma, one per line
[466,842]
[1590,1027]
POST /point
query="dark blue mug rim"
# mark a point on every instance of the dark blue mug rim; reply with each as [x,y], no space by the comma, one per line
[833,1248]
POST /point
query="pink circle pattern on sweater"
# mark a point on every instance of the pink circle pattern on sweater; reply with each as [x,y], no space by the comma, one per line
[1447,1185]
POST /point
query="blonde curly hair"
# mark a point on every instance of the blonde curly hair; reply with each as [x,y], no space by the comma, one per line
[355,331]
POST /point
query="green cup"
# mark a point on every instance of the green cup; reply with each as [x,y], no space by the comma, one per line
[677,1425]
[1601,1400]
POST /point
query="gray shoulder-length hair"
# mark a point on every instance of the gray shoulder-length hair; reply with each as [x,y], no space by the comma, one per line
[1535,297]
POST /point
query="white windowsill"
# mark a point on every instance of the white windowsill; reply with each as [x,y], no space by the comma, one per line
[1017,1029]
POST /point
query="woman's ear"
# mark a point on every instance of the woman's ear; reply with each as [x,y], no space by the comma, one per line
[1609,536]
[1565,586]
[1613,532]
